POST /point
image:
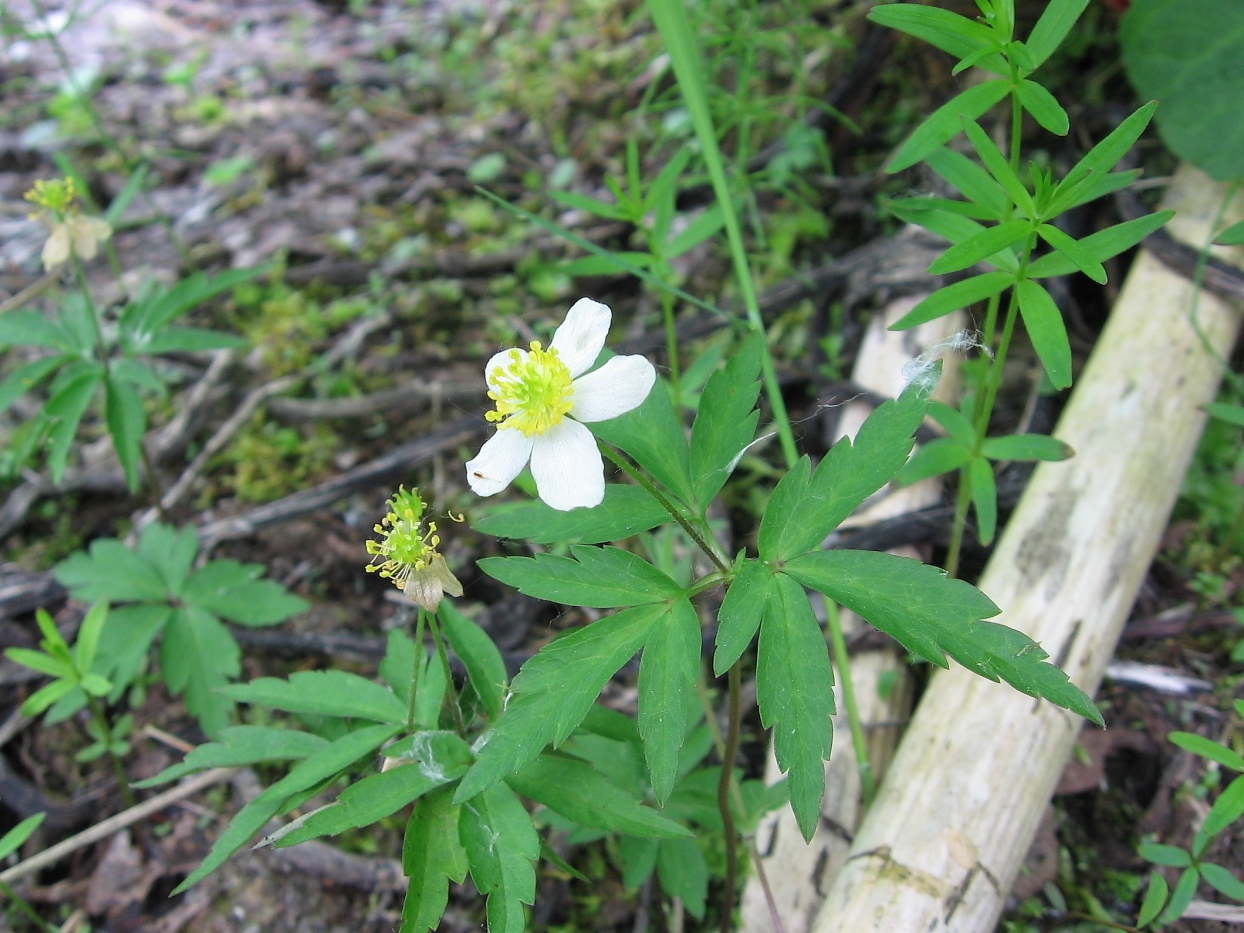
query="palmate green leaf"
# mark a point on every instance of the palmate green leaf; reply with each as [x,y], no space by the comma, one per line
[1046,331]
[1055,22]
[1082,258]
[625,511]
[652,436]
[1186,54]
[981,246]
[683,873]
[127,423]
[229,589]
[800,516]
[579,792]
[1102,245]
[970,180]
[953,297]
[1026,447]
[432,856]
[170,551]
[946,122]
[794,688]
[932,616]
[478,653]
[501,847]
[64,411]
[110,571]
[131,631]
[1043,106]
[311,771]
[740,613]
[667,675]
[603,578]
[933,459]
[984,499]
[367,801]
[241,745]
[11,841]
[950,32]
[197,656]
[325,693]
[554,691]
[27,377]
[726,421]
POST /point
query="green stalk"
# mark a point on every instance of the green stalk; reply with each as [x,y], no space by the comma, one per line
[118,768]
[25,908]
[414,671]
[842,660]
[451,692]
[731,751]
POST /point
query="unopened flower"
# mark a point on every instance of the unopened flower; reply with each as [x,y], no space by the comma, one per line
[543,399]
[407,551]
[71,233]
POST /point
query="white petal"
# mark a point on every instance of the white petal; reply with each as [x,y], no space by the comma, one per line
[501,361]
[582,335]
[567,467]
[56,249]
[617,387]
[502,458]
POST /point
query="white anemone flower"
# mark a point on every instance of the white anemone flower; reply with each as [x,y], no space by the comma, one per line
[544,397]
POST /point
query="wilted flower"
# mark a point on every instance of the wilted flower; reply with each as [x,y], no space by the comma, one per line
[543,398]
[408,553]
[71,233]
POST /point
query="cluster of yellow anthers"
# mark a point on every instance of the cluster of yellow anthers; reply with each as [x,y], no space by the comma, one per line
[407,552]
[71,233]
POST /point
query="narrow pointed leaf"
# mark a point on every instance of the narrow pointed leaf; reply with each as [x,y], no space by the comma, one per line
[1073,249]
[653,437]
[479,655]
[984,499]
[64,412]
[1026,447]
[740,613]
[794,688]
[1207,748]
[933,459]
[948,31]
[603,578]
[127,422]
[432,856]
[11,841]
[1106,154]
[1043,106]
[972,181]
[999,167]
[241,745]
[989,241]
[667,675]
[1102,245]
[1155,897]
[726,422]
[554,691]
[1046,331]
[501,847]
[1228,808]
[1055,22]
[946,122]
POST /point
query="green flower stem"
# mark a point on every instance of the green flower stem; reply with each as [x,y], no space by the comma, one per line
[105,730]
[842,660]
[414,671]
[671,346]
[731,751]
[963,496]
[450,691]
[25,908]
[705,542]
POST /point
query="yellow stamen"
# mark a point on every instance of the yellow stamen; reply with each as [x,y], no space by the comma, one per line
[533,393]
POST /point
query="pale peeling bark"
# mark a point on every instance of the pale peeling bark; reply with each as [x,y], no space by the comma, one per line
[963,797]
[799,873]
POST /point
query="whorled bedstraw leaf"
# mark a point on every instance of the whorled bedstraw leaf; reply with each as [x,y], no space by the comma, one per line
[953,297]
[1052,27]
[317,767]
[1228,808]
[1222,880]
[625,511]
[799,517]
[653,437]
[241,745]
[1080,256]
[981,246]
[432,856]
[932,615]
[1181,897]
[1026,447]
[1155,897]
[1043,106]
[1046,330]
[938,456]
[479,655]
[580,793]
[794,688]
[324,693]
[553,692]
[602,578]
[441,757]
[11,841]
[970,180]
[946,122]
[726,421]
[740,613]
[1099,160]
[948,31]
[501,846]
[999,167]
[1101,245]
[1207,748]
[984,499]
[667,675]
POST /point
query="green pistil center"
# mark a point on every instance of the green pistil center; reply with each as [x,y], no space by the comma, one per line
[532,392]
